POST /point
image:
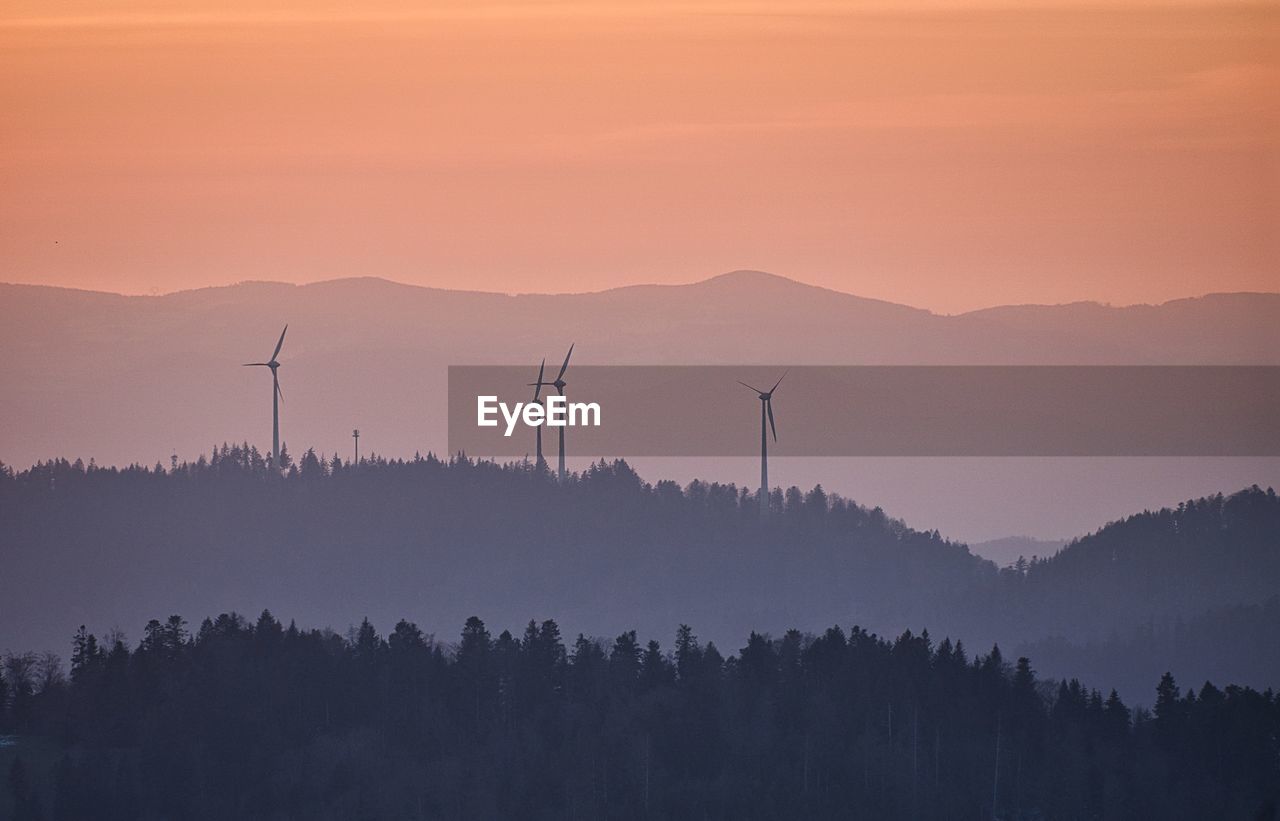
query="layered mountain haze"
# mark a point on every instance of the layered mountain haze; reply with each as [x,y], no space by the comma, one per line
[939,520]
[605,551]
[124,379]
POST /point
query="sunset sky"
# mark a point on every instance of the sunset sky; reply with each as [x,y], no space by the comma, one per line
[949,155]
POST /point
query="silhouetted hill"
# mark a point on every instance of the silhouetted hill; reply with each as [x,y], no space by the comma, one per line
[1156,566]
[438,540]
[442,539]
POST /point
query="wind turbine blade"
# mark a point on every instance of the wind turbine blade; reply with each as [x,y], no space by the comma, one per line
[280,344]
[256,365]
[779,382]
[769,405]
[537,388]
[745,385]
[565,366]
[280,393]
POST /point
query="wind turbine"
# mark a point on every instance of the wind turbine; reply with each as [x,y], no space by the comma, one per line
[537,392]
[559,385]
[277,396]
[766,413]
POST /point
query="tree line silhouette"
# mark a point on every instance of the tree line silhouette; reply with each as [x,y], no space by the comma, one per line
[241,719]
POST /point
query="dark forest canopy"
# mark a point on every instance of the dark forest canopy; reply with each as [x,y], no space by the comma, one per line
[440,539]
[241,719]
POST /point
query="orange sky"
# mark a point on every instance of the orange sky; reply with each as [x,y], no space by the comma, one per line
[949,155]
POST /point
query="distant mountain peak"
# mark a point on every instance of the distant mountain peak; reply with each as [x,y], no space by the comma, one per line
[748,276]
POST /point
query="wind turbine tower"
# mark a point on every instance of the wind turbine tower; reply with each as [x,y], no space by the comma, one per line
[766,415]
[276,397]
[537,392]
[559,384]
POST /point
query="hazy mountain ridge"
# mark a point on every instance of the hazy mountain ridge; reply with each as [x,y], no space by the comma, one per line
[128,378]
[1233,325]
[1007,550]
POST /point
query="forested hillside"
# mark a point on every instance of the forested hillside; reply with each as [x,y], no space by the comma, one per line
[437,541]
[1157,565]
[260,720]
[440,540]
